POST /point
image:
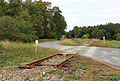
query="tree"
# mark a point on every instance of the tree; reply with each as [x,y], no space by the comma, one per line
[77,32]
[16,30]
[2,4]
[29,20]
[108,30]
[60,22]
[7,28]
[13,8]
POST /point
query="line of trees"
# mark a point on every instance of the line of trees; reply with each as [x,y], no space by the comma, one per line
[109,30]
[26,20]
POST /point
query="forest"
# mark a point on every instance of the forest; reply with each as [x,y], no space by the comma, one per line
[111,31]
[29,20]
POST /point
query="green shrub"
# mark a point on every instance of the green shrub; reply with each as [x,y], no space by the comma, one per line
[23,37]
[85,36]
[13,29]
[41,79]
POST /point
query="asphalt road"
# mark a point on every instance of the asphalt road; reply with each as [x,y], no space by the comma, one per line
[107,55]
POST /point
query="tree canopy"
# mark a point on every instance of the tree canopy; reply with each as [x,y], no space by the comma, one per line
[29,20]
[109,30]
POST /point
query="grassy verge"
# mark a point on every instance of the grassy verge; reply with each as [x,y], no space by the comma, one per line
[90,42]
[108,44]
[44,40]
[69,42]
[12,53]
[86,69]
[94,70]
[75,42]
[115,43]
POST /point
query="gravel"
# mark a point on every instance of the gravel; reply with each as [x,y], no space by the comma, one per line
[55,60]
[39,73]
[16,74]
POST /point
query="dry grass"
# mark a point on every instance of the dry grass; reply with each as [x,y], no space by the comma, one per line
[75,42]
[17,53]
[115,43]
[92,70]
[46,40]
[91,42]
[43,40]
[82,68]
[100,43]
[69,42]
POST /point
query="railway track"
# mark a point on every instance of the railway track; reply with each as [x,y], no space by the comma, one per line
[56,60]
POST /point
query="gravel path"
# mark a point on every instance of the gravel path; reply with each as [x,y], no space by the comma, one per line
[108,55]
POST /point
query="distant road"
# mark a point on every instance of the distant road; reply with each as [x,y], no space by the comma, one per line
[108,55]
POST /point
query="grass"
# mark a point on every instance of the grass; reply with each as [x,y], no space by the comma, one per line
[41,79]
[111,77]
[75,42]
[82,68]
[66,79]
[75,77]
[68,42]
[73,69]
[91,70]
[61,74]
[115,43]
[108,44]
[13,53]
[51,71]
[100,43]
[43,40]
[91,42]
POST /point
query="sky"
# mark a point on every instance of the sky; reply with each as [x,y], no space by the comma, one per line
[88,12]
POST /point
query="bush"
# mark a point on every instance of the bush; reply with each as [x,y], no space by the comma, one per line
[13,29]
[118,36]
[22,37]
[85,36]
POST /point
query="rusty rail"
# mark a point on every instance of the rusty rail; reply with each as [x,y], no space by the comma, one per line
[37,63]
[62,63]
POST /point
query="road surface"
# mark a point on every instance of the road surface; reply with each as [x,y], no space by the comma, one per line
[107,55]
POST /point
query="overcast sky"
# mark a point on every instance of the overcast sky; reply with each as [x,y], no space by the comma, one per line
[88,12]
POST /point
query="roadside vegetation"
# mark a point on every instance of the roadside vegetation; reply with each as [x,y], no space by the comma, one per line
[81,68]
[43,40]
[108,44]
[75,42]
[91,42]
[46,40]
[93,70]
[69,42]
[13,53]
[116,43]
